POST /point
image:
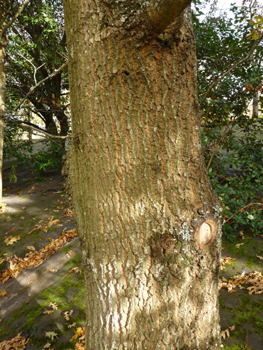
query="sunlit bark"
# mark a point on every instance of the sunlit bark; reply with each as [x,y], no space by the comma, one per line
[3,43]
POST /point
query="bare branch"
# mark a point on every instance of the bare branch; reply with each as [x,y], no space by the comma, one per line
[32,64]
[38,129]
[42,81]
[235,65]
[9,24]
[246,206]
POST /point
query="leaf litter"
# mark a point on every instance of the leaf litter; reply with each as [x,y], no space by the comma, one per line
[35,258]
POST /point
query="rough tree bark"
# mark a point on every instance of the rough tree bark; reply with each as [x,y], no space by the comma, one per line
[3,43]
[255,105]
[148,220]
[2,104]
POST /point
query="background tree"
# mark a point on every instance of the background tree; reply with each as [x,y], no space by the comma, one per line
[148,220]
[8,14]
[37,48]
[222,89]
[37,83]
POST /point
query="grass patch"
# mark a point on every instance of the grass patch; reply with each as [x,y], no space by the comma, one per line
[65,249]
[52,229]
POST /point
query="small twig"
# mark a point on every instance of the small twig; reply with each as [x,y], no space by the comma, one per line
[42,81]
[246,206]
[205,117]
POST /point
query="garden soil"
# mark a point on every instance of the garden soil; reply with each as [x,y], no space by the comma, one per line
[42,300]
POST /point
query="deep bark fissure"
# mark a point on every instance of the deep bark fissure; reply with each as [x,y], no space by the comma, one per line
[146,214]
[3,43]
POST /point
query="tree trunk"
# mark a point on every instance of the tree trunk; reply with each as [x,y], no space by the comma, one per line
[148,220]
[2,107]
[5,23]
[255,105]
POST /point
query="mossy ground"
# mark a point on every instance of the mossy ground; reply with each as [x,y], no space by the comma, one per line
[68,294]
[239,308]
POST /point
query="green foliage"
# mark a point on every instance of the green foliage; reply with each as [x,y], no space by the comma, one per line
[12,174]
[221,42]
[236,347]
[48,158]
[14,146]
[230,137]
[236,175]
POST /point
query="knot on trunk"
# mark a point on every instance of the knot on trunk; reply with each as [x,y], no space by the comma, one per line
[205,234]
[162,244]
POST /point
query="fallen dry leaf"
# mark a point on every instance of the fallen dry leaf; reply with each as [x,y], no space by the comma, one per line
[48,312]
[226,333]
[80,346]
[17,343]
[75,269]
[32,189]
[30,247]
[67,315]
[69,254]
[68,212]
[22,218]
[34,229]
[79,332]
[226,260]
[253,279]
[11,264]
[24,208]
[53,305]
[2,293]
[51,335]
[239,244]
[71,325]
[37,257]
[260,257]
[11,230]
[11,240]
